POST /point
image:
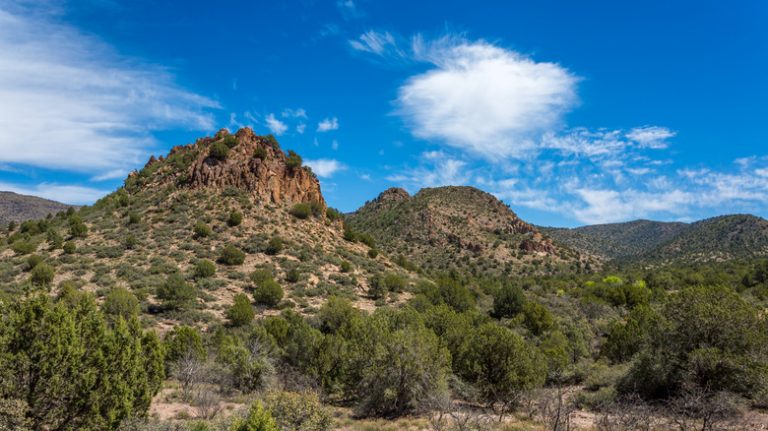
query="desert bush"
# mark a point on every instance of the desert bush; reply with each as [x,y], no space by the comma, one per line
[219,151]
[204,268]
[508,301]
[275,246]
[293,160]
[333,214]
[235,218]
[300,411]
[241,312]
[77,228]
[269,293]
[202,230]
[42,274]
[120,302]
[23,246]
[33,261]
[258,419]
[260,153]
[293,275]
[301,210]
[69,247]
[176,293]
[537,318]
[231,255]
[373,253]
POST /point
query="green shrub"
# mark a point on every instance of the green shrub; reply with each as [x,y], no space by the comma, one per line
[33,261]
[202,230]
[293,160]
[230,141]
[204,268]
[183,341]
[275,246]
[346,266]
[120,302]
[508,301]
[241,312]
[269,293]
[235,218]
[55,239]
[176,293]
[260,153]
[537,318]
[373,253]
[69,247]
[219,151]
[42,274]
[231,255]
[293,275]
[258,419]
[23,246]
[134,218]
[77,228]
[130,242]
[299,411]
[333,214]
[300,211]
[260,275]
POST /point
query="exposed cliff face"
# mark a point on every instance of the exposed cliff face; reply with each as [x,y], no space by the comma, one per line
[259,166]
[251,163]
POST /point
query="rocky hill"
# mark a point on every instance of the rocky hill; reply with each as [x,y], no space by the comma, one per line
[237,201]
[17,208]
[617,240]
[459,227]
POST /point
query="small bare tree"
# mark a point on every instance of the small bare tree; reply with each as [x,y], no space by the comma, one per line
[207,404]
[188,370]
[555,411]
[700,409]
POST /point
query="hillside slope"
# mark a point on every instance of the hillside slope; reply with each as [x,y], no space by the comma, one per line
[617,240]
[729,237]
[459,227]
[16,207]
[228,190]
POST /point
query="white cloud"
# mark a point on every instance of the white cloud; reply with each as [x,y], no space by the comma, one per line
[325,168]
[68,194]
[437,169]
[484,99]
[114,174]
[328,124]
[608,206]
[301,128]
[381,44]
[274,125]
[69,102]
[334,145]
[294,113]
[651,136]
[349,9]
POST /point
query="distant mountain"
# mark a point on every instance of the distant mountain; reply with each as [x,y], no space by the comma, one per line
[728,237]
[16,207]
[459,227]
[721,238]
[617,240]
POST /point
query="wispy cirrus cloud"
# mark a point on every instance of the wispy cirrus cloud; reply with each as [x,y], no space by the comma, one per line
[70,102]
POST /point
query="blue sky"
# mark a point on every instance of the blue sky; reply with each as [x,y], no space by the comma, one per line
[571,112]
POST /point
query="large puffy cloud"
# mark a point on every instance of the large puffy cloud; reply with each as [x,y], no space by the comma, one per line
[484,99]
[69,102]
